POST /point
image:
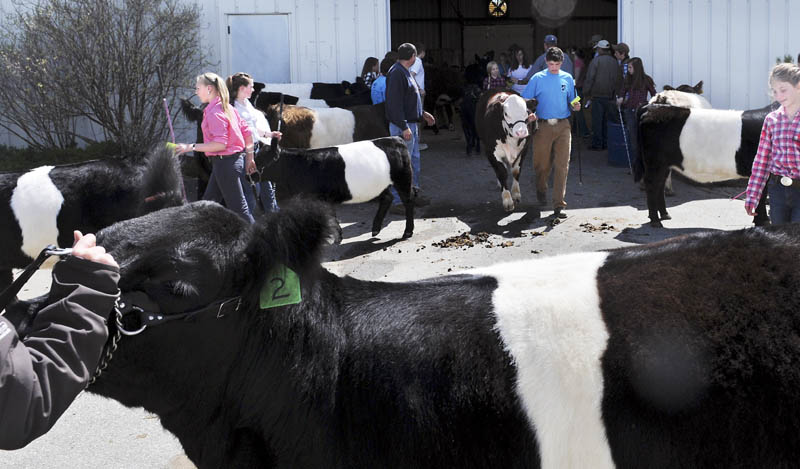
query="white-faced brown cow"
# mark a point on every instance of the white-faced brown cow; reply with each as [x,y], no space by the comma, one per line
[501,118]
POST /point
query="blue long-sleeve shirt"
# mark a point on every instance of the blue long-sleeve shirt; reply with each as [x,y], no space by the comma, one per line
[403,104]
[378,90]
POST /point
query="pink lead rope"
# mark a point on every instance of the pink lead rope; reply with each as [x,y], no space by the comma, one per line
[169,120]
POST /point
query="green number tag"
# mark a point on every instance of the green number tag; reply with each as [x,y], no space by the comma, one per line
[281,288]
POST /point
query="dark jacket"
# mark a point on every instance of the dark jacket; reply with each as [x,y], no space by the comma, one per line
[42,374]
[403,103]
[604,77]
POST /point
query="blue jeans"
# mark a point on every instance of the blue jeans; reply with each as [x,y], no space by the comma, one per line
[600,111]
[631,131]
[266,192]
[784,202]
[413,150]
[224,184]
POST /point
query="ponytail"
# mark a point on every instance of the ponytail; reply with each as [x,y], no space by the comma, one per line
[216,81]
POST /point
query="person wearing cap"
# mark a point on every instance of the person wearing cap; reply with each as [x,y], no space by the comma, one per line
[554,90]
[404,110]
[593,42]
[603,79]
[541,62]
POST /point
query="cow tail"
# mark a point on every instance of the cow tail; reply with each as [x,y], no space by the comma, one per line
[162,183]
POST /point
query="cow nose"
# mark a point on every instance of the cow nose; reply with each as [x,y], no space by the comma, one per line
[521,133]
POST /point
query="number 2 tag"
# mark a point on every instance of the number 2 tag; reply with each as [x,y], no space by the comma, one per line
[281,288]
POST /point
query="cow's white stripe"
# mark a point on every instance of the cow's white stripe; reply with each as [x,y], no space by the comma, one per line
[682,99]
[709,141]
[312,103]
[548,316]
[299,90]
[36,202]
[333,126]
[366,170]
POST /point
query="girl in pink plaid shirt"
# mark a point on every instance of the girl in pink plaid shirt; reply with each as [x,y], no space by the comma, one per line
[779,150]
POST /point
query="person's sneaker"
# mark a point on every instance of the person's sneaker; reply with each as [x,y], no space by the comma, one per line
[397,209]
[423,146]
[559,213]
[541,197]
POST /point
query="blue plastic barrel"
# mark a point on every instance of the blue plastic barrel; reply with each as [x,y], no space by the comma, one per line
[617,154]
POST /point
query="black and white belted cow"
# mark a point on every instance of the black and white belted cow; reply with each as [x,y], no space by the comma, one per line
[345,174]
[705,145]
[267,360]
[501,118]
[44,205]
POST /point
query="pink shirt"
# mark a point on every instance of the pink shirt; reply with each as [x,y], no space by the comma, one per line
[778,153]
[217,128]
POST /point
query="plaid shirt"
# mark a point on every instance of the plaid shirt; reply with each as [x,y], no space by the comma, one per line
[778,153]
[489,82]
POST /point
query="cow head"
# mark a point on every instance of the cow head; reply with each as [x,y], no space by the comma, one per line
[515,115]
[696,89]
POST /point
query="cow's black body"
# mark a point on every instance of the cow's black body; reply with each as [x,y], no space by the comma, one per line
[320,173]
[399,375]
[96,194]
[660,128]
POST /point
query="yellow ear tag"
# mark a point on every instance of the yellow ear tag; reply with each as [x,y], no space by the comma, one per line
[281,288]
[171,146]
[576,100]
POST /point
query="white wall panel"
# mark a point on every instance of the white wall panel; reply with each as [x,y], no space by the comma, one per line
[729,44]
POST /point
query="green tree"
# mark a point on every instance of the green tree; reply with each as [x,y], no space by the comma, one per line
[103,61]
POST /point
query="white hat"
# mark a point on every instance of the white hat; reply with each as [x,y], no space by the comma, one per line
[602,44]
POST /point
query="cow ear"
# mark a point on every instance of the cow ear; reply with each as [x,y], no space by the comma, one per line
[699,87]
[531,104]
[668,88]
[294,236]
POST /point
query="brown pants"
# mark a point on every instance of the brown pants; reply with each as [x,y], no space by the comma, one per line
[551,147]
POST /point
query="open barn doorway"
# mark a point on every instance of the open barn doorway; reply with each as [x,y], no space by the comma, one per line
[454,31]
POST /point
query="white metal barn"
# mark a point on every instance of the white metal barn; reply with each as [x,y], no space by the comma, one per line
[301,41]
[729,44]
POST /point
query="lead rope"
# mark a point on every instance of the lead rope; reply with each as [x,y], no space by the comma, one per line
[109,349]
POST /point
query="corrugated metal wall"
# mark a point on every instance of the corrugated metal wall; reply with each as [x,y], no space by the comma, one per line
[450,28]
[729,44]
[329,39]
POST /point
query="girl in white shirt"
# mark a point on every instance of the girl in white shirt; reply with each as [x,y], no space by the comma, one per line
[240,87]
[519,70]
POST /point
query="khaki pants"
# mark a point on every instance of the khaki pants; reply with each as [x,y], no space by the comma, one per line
[551,147]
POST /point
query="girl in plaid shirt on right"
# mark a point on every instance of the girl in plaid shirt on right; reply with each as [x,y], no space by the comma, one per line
[779,150]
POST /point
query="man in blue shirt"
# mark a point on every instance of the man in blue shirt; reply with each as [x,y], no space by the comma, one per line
[555,91]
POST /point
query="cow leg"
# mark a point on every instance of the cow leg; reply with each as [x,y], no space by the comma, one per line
[408,202]
[6,278]
[654,187]
[516,195]
[384,202]
[668,185]
[761,218]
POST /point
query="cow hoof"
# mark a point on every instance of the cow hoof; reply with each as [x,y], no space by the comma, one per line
[656,224]
[375,233]
[407,234]
[666,216]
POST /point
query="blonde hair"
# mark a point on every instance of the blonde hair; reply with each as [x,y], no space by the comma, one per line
[218,83]
[489,67]
[785,72]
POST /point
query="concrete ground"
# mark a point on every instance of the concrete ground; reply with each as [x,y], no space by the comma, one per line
[606,210]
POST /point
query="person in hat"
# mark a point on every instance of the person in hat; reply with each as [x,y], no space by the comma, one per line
[603,79]
[43,370]
[541,62]
[593,42]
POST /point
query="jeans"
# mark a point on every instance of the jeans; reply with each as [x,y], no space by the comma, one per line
[413,150]
[631,131]
[784,202]
[601,108]
[224,184]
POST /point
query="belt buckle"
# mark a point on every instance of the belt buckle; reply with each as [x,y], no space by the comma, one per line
[552,121]
[786,181]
